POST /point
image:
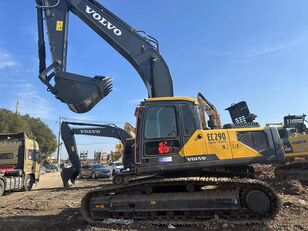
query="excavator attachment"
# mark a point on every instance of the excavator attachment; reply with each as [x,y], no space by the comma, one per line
[68,136]
[241,116]
[81,93]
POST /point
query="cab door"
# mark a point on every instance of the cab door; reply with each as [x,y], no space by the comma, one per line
[162,140]
[193,136]
[33,162]
[37,165]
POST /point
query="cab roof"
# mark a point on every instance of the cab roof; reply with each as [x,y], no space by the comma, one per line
[178,98]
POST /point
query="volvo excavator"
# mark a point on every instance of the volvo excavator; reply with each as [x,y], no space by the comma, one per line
[180,168]
[68,132]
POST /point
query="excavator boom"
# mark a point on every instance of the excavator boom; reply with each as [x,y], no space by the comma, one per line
[141,51]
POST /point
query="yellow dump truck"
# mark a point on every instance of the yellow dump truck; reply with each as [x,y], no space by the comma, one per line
[19,162]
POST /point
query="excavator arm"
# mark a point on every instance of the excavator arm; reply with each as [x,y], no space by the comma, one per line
[68,136]
[214,121]
[141,51]
[130,129]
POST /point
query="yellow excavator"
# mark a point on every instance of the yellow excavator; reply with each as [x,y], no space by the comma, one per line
[293,133]
[179,168]
[294,136]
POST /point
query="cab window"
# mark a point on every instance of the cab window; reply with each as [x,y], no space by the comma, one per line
[256,140]
[188,121]
[161,123]
[33,155]
[30,155]
[6,156]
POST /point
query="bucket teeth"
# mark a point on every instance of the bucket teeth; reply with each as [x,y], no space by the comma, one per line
[88,103]
[81,93]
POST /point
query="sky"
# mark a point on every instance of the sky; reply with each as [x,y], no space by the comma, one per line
[229,50]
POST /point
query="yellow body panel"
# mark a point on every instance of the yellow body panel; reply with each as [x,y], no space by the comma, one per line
[299,144]
[223,143]
[173,99]
[194,146]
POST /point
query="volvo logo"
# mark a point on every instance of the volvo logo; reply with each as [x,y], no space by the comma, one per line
[103,21]
[90,131]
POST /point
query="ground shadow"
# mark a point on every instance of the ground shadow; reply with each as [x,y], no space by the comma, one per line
[68,219]
[71,219]
[59,189]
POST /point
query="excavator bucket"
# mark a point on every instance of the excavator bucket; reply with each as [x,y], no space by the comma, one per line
[79,92]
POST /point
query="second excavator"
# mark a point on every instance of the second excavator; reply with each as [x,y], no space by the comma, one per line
[294,136]
[180,168]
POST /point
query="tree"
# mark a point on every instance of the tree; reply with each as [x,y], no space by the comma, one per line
[33,127]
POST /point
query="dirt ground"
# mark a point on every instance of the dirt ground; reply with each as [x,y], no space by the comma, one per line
[49,207]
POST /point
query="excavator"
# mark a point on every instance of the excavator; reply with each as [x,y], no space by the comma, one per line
[294,136]
[293,133]
[179,168]
[89,129]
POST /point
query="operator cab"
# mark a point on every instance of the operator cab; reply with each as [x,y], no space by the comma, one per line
[296,122]
[164,126]
[293,125]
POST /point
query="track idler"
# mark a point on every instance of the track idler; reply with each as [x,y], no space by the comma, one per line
[79,92]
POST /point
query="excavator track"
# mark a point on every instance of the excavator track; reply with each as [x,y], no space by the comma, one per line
[293,171]
[183,201]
